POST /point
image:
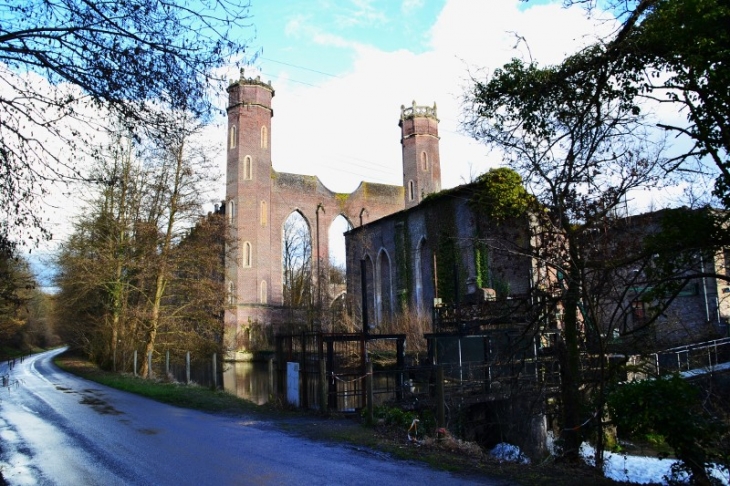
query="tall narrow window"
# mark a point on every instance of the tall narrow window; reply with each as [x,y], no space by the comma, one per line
[424,161]
[263,293]
[232,142]
[264,214]
[264,137]
[247,168]
[246,257]
[231,210]
[231,294]
[411,190]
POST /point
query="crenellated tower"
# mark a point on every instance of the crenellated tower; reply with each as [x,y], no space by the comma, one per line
[421,162]
[248,194]
[259,201]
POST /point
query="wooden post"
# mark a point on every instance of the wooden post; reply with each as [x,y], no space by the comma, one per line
[440,409]
[323,386]
[149,365]
[135,362]
[272,392]
[167,363]
[369,385]
[187,367]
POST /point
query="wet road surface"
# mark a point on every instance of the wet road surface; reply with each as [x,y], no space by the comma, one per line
[56,428]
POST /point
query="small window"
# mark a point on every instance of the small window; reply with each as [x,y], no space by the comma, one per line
[264,214]
[246,257]
[247,168]
[231,293]
[263,293]
[231,210]
[264,137]
[232,142]
[424,161]
[411,190]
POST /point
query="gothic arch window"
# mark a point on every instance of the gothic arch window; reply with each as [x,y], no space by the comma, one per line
[263,293]
[264,214]
[264,137]
[247,256]
[424,161]
[370,290]
[383,288]
[231,210]
[233,137]
[247,168]
[231,293]
[418,267]
[411,190]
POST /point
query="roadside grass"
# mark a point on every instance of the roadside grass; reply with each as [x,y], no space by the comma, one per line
[180,395]
[454,456]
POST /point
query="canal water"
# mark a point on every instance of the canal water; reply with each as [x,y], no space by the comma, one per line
[249,380]
[252,381]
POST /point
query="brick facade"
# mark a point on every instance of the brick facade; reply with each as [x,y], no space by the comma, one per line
[259,200]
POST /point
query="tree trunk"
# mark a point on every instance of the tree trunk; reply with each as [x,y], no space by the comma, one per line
[570,369]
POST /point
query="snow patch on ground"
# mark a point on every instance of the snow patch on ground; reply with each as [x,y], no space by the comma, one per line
[509,453]
[619,467]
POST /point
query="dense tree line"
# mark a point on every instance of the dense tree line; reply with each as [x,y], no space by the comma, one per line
[142,271]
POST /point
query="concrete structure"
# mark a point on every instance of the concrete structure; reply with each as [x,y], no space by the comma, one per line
[259,200]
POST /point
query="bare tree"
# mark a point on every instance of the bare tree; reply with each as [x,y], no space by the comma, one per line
[69,66]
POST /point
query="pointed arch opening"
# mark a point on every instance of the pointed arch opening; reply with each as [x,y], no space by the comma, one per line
[233,136]
[296,261]
[419,274]
[384,288]
[337,258]
[424,161]
[247,168]
[264,137]
[263,292]
[264,218]
[370,291]
[247,255]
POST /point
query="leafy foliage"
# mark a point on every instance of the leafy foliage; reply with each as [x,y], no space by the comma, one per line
[500,195]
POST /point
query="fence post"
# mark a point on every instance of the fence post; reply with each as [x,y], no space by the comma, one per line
[272,392]
[369,386]
[135,362]
[187,367]
[323,385]
[215,371]
[440,409]
[167,363]
[149,365]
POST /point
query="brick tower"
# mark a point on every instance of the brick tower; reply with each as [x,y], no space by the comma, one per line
[259,200]
[421,163]
[248,196]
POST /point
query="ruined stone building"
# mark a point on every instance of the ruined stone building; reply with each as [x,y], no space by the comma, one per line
[259,200]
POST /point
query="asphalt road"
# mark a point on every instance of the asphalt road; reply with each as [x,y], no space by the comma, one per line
[56,428]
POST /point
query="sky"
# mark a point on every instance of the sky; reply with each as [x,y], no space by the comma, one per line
[342,69]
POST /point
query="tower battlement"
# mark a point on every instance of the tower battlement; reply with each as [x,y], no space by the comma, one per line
[244,80]
[414,111]
[250,91]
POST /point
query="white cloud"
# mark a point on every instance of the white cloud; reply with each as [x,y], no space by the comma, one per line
[346,129]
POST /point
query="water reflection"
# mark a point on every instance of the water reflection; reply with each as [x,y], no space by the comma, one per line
[250,381]
[253,382]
